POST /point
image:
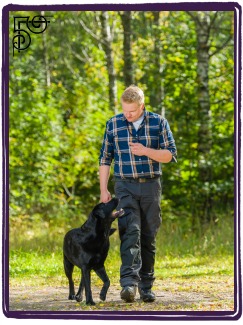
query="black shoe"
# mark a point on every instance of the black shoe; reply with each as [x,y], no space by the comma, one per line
[128,293]
[146,295]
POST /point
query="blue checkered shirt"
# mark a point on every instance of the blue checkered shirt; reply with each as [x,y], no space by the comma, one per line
[154,132]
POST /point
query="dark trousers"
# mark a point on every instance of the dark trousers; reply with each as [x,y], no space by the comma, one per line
[137,229]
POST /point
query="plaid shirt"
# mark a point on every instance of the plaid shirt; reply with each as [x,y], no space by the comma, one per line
[154,132]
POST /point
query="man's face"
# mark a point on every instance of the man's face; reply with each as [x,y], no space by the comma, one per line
[132,111]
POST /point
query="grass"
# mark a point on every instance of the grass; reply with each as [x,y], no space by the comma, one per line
[193,273]
[49,266]
[37,251]
[188,283]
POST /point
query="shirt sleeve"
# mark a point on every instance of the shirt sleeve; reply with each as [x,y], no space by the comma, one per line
[107,149]
[166,139]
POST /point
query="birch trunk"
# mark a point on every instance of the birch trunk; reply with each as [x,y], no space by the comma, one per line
[202,22]
[46,57]
[107,46]
[158,82]
[204,114]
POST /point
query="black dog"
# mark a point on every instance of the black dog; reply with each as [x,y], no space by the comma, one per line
[87,247]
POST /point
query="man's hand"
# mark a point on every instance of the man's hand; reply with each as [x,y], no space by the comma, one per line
[105,196]
[138,149]
[163,156]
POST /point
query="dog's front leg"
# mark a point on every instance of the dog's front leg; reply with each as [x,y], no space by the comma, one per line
[101,272]
[68,267]
[79,295]
[87,285]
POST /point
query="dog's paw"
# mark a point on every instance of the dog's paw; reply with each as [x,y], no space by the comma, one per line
[102,296]
[90,303]
[104,290]
[71,297]
[78,298]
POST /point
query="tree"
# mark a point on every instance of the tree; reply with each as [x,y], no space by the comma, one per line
[126,17]
[158,66]
[107,46]
[205,22]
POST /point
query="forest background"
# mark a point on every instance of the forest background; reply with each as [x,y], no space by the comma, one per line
[68,83]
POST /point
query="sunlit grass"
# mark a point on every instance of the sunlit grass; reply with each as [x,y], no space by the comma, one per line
[187,265]
[49,267]
[36,253]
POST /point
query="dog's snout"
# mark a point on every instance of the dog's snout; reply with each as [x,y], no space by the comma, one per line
[117,214]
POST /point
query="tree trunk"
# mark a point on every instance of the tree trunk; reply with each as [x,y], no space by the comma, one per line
[107,46]
[158,81]
[46,58]
[202,21]
[126,18]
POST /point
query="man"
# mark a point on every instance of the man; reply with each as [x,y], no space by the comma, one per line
[138,141]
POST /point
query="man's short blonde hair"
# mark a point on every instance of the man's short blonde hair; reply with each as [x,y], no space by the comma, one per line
[133,94]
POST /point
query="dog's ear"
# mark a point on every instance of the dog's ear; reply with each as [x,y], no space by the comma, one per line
[98,212]
[112,231]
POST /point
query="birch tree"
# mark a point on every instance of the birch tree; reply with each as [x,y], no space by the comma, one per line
[107,46]
[206,24]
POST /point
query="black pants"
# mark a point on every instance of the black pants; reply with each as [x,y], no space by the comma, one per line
[138,228]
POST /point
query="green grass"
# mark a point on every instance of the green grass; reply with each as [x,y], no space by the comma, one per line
[198,267]
[36,252]
[49,266]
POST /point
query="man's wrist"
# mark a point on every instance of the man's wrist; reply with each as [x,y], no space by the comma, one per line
[147,151]
[103,189]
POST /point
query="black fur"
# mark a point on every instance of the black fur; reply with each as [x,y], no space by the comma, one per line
[87,247]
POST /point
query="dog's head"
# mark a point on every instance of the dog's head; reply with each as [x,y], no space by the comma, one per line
[107,211]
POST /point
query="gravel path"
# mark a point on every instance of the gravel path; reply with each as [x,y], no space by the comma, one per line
[199,294]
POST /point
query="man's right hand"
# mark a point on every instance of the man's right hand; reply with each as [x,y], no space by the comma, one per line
[105,196]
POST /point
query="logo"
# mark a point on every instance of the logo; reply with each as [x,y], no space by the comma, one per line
[22,40]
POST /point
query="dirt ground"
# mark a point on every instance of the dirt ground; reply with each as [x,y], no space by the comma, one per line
[200,294]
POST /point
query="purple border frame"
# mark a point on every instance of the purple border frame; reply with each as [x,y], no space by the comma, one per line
[123,315]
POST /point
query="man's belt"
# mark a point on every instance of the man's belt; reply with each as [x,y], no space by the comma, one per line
[136,180]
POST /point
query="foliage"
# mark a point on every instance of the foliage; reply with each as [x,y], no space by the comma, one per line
[59,103]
